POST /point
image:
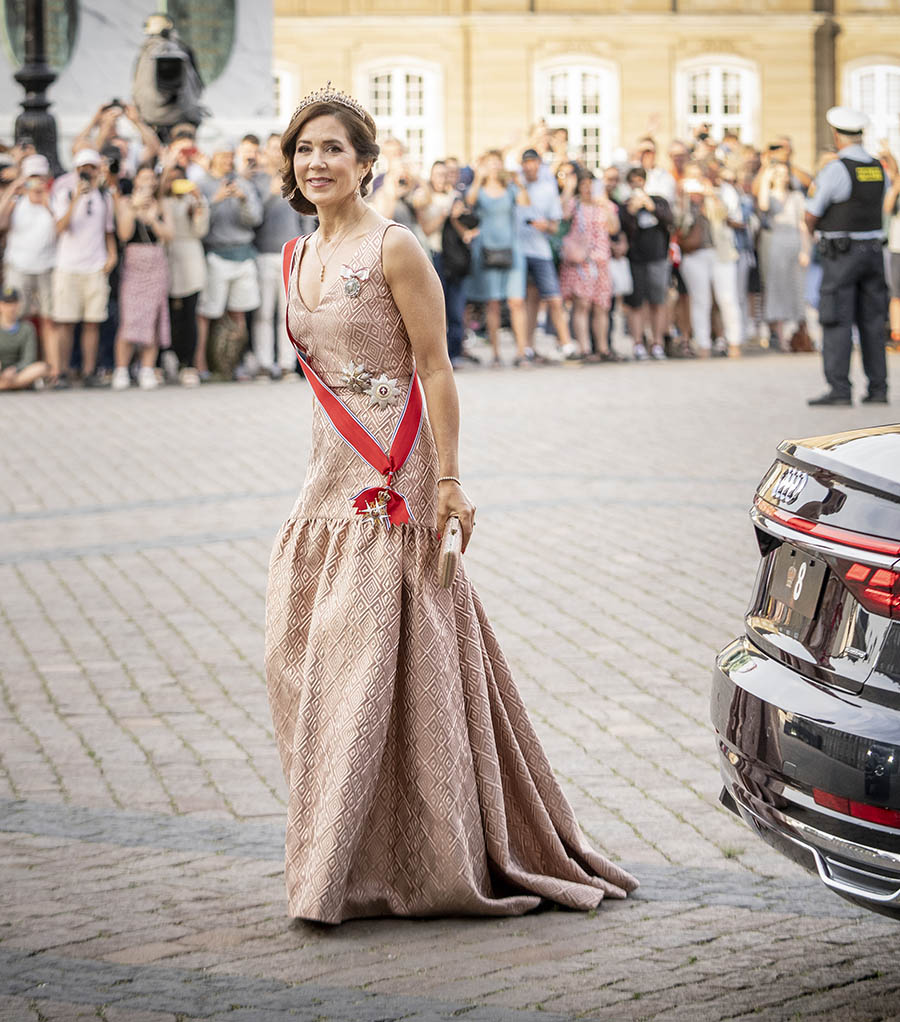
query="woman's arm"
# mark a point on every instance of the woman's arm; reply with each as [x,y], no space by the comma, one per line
[125,218]
[762,198]
[418,295]
[8,202]
[890,197]
[164,222]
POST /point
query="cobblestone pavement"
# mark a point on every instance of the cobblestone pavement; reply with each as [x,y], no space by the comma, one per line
[141,799]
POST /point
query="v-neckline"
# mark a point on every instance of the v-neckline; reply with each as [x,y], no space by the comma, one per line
[324,294]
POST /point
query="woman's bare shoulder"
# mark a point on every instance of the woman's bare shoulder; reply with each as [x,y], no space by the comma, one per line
[400,251]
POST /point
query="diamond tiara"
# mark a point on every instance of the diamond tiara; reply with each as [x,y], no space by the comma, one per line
[329,95]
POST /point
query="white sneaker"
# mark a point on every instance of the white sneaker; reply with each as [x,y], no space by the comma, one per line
[658,352]
[121,378]
[640,353]
[147,378]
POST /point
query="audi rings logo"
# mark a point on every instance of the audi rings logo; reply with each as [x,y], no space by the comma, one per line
[788,487]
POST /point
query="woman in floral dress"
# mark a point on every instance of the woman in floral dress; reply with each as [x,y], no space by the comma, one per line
[584,276]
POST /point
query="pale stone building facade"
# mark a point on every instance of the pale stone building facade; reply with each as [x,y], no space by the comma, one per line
[454,77]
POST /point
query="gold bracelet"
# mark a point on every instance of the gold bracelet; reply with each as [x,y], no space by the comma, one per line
[450,479]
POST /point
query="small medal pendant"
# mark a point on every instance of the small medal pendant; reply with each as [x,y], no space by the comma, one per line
[353,280]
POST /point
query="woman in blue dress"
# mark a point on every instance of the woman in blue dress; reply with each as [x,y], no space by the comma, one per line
[498,267]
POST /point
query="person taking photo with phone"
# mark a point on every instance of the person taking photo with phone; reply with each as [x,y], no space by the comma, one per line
[30,252]
[85,257]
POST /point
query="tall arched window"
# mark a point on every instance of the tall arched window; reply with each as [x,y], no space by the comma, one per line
[721,92]
[404,97]
[874,88]
[581,94]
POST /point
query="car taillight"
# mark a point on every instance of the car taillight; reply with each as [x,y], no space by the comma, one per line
[859,810]
[860,540]
[877,589]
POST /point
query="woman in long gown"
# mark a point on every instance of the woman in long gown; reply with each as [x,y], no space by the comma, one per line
[417,786]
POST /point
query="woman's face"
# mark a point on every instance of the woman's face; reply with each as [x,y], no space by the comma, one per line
[222,163]
[586,188]
[145,182]
[493,165]
[439,178]
[780,175]
[325,163]
[564,174]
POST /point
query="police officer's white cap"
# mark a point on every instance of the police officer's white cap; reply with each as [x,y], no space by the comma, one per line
[846,120]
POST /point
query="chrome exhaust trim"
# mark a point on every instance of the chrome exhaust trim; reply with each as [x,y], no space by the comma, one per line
[839,876]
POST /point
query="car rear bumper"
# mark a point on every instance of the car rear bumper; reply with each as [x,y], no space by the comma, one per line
[780,737]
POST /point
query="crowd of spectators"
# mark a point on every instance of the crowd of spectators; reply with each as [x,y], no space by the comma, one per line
[150,262]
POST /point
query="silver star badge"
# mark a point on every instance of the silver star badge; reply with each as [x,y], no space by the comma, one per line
[356,377]
[383,392]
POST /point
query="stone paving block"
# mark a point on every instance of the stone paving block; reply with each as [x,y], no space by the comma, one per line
[132,689]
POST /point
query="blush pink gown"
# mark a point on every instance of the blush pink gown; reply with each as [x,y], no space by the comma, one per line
[417,785]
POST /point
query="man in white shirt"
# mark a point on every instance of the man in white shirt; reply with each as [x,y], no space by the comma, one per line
[85,256]
[30,253]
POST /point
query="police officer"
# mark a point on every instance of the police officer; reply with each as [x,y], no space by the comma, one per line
[844,206]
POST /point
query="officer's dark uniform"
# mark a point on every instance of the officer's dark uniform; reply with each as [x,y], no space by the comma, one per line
[853,286]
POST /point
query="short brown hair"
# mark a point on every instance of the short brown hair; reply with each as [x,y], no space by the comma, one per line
[360,130]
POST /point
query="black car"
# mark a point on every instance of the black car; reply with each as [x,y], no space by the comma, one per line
[806,703]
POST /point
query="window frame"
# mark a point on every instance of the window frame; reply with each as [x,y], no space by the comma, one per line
[719,65]
[575,120]
[431,121]
[875,129]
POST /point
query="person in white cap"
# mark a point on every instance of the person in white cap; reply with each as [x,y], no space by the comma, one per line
[845,208]
[30,253]
[85,256]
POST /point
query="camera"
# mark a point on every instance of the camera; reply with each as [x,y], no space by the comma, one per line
[113,159]
[85,175]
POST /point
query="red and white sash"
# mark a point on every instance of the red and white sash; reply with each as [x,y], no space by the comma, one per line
[384,502]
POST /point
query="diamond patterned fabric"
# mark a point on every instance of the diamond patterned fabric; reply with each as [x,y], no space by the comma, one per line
[417,785]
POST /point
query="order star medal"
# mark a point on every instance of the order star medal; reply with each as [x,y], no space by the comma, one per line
[377,510]
[353,280]
[383,392]
[356,377]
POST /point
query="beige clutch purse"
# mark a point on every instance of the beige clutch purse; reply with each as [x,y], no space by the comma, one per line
[451,551]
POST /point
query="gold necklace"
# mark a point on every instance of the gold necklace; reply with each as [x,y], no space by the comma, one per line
[336,245]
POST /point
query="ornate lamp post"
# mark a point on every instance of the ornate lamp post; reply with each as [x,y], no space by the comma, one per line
[35,76]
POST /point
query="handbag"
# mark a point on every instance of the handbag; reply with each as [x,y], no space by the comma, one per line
[497,258]
[574,250]
[693,240]
[800,339]
[451,550]
[620,276]
[456,256]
